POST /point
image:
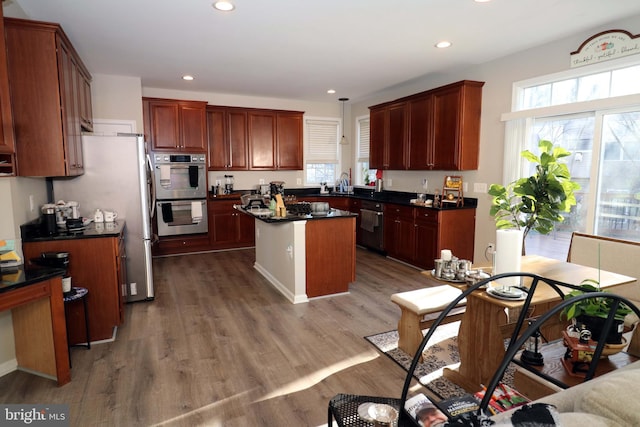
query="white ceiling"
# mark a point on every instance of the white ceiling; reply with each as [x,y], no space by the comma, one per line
[298,49]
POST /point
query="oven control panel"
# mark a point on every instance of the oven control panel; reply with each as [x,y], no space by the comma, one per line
[168,158]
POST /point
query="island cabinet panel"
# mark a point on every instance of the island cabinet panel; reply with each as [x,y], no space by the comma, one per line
[175,125]
[227,138]
[93,264]
[50,87]
[332,272]
[438,129]
[7,144]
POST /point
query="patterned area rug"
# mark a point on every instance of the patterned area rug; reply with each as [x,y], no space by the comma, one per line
[441,352]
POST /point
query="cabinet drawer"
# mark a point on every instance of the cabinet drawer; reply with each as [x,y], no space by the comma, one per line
[426,215]
[222,206]
[392,210]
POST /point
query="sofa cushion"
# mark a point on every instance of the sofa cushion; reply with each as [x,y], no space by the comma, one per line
[614,398]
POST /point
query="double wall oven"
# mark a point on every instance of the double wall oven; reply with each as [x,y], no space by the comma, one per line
[180,186]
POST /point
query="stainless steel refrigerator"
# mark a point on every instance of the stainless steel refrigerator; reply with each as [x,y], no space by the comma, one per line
[116,177]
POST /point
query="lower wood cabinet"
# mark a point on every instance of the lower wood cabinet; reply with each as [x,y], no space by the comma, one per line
[229,228]
[417,235]
[181,244]
[96,264]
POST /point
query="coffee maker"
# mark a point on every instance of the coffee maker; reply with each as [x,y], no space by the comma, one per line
[49,219]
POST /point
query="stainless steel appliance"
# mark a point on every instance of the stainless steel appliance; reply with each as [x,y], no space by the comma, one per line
[176,217]
[117,176]
[180,182]
[179,176]
[371,225]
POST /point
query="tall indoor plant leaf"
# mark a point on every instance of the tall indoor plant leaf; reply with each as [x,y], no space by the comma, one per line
[538,201]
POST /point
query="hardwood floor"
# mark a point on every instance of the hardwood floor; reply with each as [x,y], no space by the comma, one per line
[220,346]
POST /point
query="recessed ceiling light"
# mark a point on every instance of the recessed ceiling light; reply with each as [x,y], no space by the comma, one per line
[223,5]
[187,77]
[482,1]
[443,44]
[331,91]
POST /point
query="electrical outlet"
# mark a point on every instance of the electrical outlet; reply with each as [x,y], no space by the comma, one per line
[261,181]
[218,182]
[32,204]
[389,182]
[465,187]
[134,288]
[298,181]
[425,184]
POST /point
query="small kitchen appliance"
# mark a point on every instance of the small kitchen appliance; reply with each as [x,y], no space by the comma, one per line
[49,219]
[276,187]
[228,184]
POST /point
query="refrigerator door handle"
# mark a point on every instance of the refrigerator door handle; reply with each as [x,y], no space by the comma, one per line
[152,186]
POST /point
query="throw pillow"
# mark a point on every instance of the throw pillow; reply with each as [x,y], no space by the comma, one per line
[614,397]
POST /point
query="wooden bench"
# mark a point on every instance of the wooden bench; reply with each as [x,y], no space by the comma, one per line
[420,308]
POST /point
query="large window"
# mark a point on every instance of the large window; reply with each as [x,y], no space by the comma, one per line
[595,115]
[322,160]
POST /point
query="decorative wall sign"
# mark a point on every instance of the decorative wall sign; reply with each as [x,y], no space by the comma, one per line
[605,46]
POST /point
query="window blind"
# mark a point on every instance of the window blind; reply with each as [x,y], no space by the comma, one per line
[323,137]
[363,140]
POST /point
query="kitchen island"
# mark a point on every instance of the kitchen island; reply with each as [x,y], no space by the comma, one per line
[305,256]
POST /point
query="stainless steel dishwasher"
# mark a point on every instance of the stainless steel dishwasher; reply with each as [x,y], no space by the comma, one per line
[372,225]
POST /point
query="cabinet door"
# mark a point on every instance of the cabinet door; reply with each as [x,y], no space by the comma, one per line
[262,142]
[396,139]
[426,238]
[7,144]
[68,73]
[193,128]
[289,141]
[446,114]
[164,118]
[238,141]
[399,233]
[420,141]
[246,230]
[217,139]
[84,102]
[377,118]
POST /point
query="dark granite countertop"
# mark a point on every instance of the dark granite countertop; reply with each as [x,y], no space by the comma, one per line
[362,193]
[332,214]
[17,277]
[33,231]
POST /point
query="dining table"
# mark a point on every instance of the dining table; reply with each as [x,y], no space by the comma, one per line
[488,320]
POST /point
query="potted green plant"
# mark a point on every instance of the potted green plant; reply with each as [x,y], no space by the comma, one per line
[538,201]
[591,313]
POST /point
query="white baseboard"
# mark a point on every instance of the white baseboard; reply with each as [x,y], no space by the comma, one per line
[8,367]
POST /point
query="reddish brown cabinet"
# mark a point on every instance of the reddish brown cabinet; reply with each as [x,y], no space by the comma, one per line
[96,264]
[416,235]
[438,129]
[7,144]
[227,138]
[175,125]
[389,136]
[254,139]
[229,228]
[49,86]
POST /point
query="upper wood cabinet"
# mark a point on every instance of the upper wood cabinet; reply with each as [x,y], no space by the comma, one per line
[175,125]
[437,129]
[254,139]
[50,97]
[227,137]
[7,145]
[389,139]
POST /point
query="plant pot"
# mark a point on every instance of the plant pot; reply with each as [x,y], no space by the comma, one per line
[596,324]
